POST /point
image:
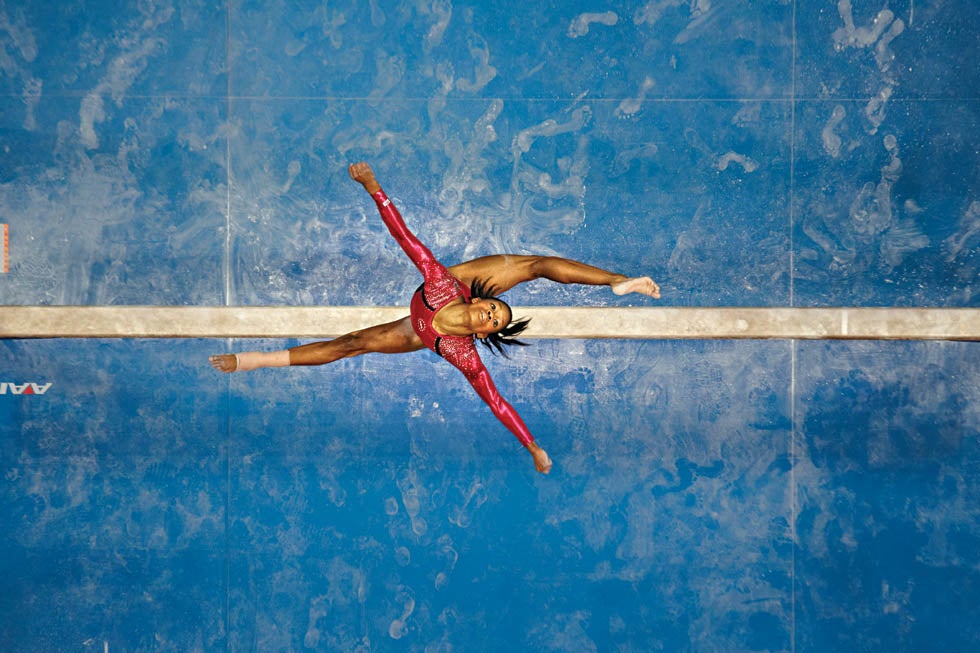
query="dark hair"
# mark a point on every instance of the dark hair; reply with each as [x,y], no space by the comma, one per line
[507,336]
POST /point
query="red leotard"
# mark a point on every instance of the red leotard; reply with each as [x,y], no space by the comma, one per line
[438,289]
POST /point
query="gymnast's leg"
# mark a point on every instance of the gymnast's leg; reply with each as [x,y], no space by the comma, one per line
[396,337]
[504,271]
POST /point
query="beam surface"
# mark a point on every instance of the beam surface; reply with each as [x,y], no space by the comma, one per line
[546,322]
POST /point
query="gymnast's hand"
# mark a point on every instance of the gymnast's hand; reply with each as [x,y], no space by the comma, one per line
[362,174]
[542,462]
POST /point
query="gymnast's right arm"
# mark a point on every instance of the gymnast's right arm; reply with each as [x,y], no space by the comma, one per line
[410,244]
[476,373]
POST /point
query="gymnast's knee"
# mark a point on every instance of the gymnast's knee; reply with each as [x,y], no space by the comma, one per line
[351,344]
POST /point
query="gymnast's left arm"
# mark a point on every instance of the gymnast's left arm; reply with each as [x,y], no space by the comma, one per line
[508,416]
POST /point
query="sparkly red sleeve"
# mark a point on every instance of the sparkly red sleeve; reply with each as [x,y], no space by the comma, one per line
[506,413]
[410,244]
[462,354]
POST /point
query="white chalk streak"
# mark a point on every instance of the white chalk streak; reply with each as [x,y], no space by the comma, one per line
[580,25]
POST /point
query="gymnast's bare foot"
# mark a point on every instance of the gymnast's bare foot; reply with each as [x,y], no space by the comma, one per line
[642,285]
[224,362]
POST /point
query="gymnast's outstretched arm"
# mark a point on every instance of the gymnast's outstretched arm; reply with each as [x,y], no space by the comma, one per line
[419,254]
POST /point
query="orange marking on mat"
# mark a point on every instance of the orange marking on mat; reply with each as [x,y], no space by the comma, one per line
[6,247]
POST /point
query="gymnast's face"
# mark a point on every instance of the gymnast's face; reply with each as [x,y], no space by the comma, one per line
[488,316]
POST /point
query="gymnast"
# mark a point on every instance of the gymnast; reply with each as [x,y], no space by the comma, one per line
[453,307]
